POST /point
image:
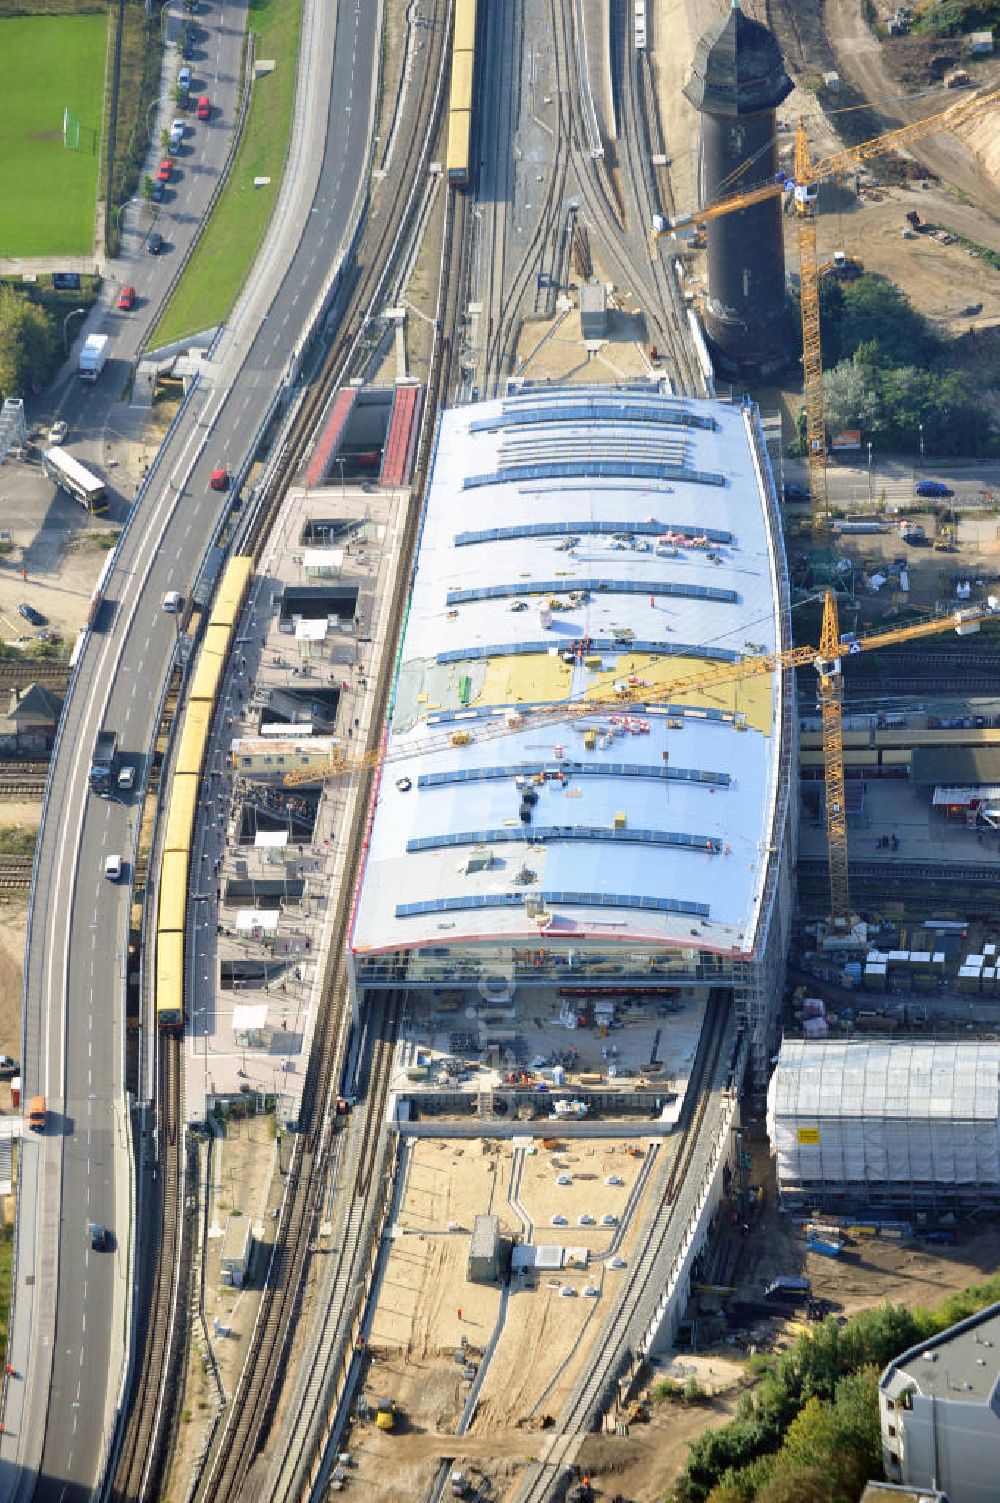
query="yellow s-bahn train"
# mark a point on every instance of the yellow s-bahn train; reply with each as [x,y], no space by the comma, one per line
[463,67]
[175,858]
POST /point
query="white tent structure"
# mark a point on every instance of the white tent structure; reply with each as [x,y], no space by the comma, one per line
[879,1124]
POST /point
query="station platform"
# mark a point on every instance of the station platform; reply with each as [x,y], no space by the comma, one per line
[401,439]
[331,437]
[268,859]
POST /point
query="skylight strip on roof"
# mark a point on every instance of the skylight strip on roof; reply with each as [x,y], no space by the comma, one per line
[574,410]
[705,845]
[595,645]
[601,529]
[593,469]
[569,899]
[568,586]
[665,773]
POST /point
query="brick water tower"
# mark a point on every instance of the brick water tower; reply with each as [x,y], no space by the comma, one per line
[737,81]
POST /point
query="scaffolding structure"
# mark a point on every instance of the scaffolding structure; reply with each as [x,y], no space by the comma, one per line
[13,428]
[885,1125]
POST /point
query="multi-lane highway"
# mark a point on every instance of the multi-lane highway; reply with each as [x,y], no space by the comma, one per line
[70,1355]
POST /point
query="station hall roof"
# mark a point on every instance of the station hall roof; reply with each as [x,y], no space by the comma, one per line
[578,544]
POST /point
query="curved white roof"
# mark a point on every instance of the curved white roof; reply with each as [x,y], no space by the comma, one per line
[575,540]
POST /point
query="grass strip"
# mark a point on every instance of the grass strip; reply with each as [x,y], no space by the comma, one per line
[226,251]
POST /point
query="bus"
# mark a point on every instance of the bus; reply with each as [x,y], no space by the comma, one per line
[75,479]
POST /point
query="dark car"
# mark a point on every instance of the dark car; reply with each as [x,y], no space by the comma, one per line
[155,243]
[933,488]
[795,492]
[31,615]
[98,1235]
[187,50]
[159,189]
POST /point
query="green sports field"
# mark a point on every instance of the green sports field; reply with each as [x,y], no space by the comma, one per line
[48,195]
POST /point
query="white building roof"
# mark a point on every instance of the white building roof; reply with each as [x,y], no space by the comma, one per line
[576,539]
[879,1078]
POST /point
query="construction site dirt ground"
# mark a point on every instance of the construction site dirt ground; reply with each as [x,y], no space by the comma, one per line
[426,1307]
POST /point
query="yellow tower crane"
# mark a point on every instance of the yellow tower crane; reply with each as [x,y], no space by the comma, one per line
[826,661]
[803,184]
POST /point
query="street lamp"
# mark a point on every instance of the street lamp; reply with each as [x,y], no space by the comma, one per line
[869,473]
[73,313]
[343,483]
[920,431]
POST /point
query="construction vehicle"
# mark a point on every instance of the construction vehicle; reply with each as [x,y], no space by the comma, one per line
[843,266]
[385,1415]
[37,1114]
[826,661]
[802,183]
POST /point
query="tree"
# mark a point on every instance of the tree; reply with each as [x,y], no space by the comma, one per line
[147,187]
[795,1484]
[165,139]
[849,398]
[876,312]
[29,344]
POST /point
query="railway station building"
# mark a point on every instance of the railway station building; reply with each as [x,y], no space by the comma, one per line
[565,803]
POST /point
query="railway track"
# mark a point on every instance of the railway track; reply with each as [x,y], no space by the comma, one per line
[23,780]
[155,1400]
[231,1469]
[15,873]
[618,1339]
[140,1461]
[17,672]
[306,1441]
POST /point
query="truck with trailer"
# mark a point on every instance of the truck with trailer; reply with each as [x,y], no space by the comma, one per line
[93,357]
[102,766]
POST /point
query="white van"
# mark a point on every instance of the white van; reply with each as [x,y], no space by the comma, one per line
[113,868]
[172,601]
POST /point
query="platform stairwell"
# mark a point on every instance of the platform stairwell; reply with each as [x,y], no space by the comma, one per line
[484,1103]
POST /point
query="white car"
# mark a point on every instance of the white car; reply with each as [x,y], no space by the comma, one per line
[113,868]
[585,1220]
[176,132]
[617,1263]
[58,432]
[609,1220]
[568,1292]
[564,1179]
[614,1179]
[172,601]
[126,779]
[590,1291]
[559,1221]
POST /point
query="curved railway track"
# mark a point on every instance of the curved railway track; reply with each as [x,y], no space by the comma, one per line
[307,1436]
[623,1327]
[145,1441]
[226,1469]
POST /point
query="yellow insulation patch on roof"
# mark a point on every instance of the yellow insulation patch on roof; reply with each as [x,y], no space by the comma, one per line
[750,697]
[526,679]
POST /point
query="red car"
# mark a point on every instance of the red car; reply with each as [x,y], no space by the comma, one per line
[204,108]
[219,480]
[164,170]
[126,298]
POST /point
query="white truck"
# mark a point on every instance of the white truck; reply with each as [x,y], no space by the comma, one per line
[93,356]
